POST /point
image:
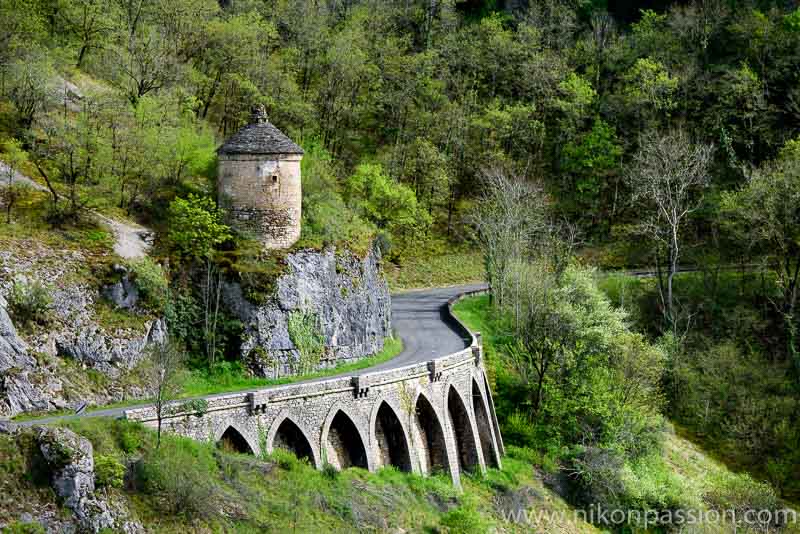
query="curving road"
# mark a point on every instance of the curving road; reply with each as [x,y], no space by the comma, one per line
[419,317]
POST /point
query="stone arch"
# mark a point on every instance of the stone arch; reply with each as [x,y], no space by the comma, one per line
[432,445]
[286,433]
[233,440]
[390,438]
[461,426]
[343,442]
[483,425]
[493,416]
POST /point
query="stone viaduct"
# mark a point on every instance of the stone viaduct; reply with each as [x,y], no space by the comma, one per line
[435,416]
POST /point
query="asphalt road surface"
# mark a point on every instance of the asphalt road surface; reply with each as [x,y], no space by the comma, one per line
[419,317]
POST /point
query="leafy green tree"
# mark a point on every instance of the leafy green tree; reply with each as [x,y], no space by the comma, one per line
[13,158]
[388,204]
[196,226]
[140,63]
[578,364]
[73,152]
[232,46]
[20,24]
[91,22]
[593,161]
[29,83]
[768,219]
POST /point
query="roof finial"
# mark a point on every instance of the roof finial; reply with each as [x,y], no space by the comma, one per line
[258,114]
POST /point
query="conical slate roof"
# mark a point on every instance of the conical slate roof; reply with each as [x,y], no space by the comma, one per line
[259,137]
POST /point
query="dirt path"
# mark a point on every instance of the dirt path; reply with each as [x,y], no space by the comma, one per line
[19,178]
[130,242]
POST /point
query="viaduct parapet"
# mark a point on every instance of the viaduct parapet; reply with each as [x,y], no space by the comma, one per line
[428,417]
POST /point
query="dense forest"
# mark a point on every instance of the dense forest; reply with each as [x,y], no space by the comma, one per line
[561,138]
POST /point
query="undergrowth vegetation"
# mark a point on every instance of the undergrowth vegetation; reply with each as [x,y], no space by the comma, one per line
[597,467]
[185,484]
[725,383]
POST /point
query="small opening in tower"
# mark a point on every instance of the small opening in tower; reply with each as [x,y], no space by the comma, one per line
[274,179]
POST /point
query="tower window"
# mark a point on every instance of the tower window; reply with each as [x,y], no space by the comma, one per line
[274,179]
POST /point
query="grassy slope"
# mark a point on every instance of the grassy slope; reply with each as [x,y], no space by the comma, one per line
[444,269]
[239,493]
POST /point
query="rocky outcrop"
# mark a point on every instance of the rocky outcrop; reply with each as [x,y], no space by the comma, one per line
[70,458]
[20,389]
[32,372]
[346,294]
[123,294]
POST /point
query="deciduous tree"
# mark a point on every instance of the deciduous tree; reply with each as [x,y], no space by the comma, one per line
[668,174]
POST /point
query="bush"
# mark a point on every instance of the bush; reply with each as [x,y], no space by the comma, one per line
[739,492]
[464,519]
[181,474]
[196,226]
[29,303]
[304,331]
[604,480]
[131,439]
[151,281]
[109,472]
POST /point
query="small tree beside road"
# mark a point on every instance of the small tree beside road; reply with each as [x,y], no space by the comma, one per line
[164,377]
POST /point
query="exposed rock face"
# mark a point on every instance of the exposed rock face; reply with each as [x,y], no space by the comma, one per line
[123,294]
[31,372]
[17,391]
[347,294]
[71,458]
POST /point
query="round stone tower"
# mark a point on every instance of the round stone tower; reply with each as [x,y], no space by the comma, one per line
[259,182]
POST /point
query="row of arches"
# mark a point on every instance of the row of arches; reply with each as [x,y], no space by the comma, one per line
[424,450]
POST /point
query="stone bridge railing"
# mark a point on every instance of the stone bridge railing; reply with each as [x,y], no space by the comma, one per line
[433,416]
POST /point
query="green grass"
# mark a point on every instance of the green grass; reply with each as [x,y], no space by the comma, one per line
[206,383]
[113,318]
[451,268]
[171,489]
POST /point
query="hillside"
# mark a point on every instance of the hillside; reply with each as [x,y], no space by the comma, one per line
[209,196]
[220,490]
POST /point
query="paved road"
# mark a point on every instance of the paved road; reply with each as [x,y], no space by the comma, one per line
[420,319]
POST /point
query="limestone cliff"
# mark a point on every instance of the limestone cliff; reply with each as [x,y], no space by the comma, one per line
[78,356]
[347,295]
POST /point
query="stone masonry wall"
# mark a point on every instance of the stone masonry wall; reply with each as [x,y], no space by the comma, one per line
[262,196]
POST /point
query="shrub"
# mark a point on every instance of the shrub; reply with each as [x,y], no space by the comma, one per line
[29,303]
[181,473]
[131,439]
[196,226]
[464,519]
[519,429]
[603,479]
[109,472]
[304,331]
[151,281]
[739,492]
[330,471]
